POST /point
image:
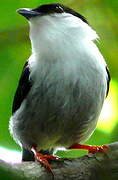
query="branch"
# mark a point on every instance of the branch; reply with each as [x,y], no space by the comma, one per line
[96,166]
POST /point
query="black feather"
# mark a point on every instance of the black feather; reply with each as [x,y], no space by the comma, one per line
[23,88]
[27,155]
[58,8]
[108,80]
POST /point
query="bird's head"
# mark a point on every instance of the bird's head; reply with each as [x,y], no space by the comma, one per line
[56,24]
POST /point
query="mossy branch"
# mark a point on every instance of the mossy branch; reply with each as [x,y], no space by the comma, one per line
[96,166]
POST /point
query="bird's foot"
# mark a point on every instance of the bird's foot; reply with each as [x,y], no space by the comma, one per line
[43,159]
[90,148]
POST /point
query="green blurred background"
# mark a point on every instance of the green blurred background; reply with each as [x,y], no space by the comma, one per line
[15,49]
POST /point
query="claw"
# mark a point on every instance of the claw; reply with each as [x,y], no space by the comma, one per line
[43,159]
[91,149]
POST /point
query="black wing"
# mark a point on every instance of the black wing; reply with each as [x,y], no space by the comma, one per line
[22,89]
[108,80]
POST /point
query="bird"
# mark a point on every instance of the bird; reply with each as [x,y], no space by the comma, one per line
[62,87]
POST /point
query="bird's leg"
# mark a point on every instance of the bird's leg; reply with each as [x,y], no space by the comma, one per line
[90,148]
[43,158]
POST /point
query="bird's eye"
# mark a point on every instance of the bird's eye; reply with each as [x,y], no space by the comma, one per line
[59,9]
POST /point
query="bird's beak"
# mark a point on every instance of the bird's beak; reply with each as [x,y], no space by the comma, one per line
[28,13]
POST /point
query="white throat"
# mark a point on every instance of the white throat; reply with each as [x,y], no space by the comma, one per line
[59,34]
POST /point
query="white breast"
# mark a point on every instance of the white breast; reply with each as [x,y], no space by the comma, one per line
[66,38]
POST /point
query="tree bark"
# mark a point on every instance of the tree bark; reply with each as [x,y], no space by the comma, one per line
[98,166]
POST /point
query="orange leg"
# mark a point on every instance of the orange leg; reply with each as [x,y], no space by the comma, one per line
[43,159]
[91,149]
